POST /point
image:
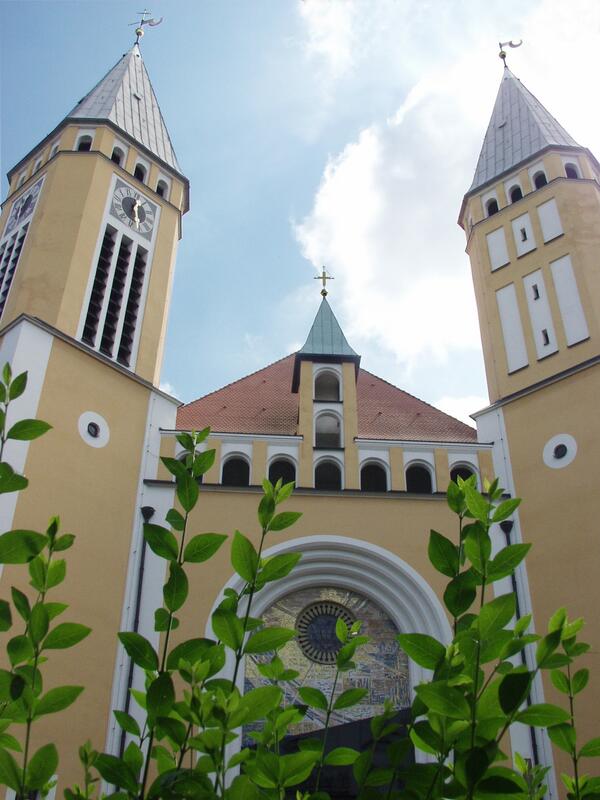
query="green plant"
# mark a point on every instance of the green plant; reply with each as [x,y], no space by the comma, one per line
[22,697]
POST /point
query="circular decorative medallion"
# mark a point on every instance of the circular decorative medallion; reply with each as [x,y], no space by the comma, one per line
[316,630]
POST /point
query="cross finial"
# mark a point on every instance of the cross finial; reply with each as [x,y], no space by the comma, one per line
[139,31]
[502,45]
[324,277]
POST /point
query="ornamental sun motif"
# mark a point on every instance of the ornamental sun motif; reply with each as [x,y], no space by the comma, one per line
[381,667]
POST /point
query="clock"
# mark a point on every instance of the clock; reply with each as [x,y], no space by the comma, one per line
[133,209]
[316,630]
[23,207]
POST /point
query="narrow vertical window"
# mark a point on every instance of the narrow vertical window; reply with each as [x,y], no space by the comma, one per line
[545,337]
[535,291]
[90,328]
[133,307]
[9,258]
[116,297]
[523,234]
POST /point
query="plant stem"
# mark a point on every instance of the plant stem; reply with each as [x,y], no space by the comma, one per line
[574,755]
[327,718]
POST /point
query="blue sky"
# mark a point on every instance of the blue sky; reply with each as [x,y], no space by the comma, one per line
[341,132]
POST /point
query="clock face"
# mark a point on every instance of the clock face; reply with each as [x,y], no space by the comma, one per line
[23,207]
[133,209]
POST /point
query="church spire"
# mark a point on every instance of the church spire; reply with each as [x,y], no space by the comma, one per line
[125,98]
[519,128]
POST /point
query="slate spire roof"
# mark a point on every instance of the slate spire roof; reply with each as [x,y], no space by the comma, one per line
[326,338]
[126,98]
[519,128]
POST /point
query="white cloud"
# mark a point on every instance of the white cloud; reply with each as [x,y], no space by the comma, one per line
[383,219]
[166,386]
[462,407]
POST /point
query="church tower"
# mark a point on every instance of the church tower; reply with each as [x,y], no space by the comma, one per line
[532,221]
[88,237]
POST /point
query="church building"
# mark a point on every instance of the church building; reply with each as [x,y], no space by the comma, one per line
[88,240]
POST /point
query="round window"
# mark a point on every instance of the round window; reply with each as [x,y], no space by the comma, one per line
[316,630]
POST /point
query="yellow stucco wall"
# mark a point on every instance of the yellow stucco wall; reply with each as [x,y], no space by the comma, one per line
[94,492]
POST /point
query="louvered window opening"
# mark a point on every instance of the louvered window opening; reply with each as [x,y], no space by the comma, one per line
[122,266]
[10,251]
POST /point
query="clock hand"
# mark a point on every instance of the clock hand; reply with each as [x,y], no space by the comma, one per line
[136,216]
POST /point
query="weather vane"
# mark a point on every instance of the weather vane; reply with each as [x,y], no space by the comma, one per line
[324,277]
[139,31]
[502,45]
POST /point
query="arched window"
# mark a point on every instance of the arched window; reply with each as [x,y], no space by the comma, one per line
[118,156]
[327,431]
[539,179]
[162,190]
[84,143]
[491,207]
[236,472]
[515,194]
[327,387]
[373,478]
[460,472]
[140,172]
[418,480]
[328,475]
[282,468]
[571,171]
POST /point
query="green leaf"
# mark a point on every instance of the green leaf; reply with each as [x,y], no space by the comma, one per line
[313,697]
[507,560]
[187,491]
[163,620]
[284,520]
[38,623]
[455,498]
[477,505]
[496,614]
[423,649]
[57,699]
[19,649]
[57,571]
[563,736]
[17,386]
[279,566]
[133,757]
[443,554]
[269,639]
[161,541]
[55,609]
[175,590]
[192,650]
[285,491]
[498,785]
[10,774]
[542,715]
[505,509]
[513,690]
[257,703]
[460,594]
[7,374]
[5,616]
[139,650]
[175,466]
[444,699]
[244,557]
[21,603]
[41,767]
[28,429]
[350,697]
[341,757]
[127,723]
[266,509]
[63,542]
[175,519]
[37,571]
[117,772]
[580,680]
[228,628]
[65,635]
[10,481]
[19,547]
[202,547]
[160,696]
[546,646]
[186,441]
[203,462]
[590,749]
[296,767]
[560,681]
[478,547]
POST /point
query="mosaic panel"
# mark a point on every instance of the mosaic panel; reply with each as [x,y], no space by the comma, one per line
[381,667]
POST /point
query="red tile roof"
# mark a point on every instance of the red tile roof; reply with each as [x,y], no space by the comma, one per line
[263,403]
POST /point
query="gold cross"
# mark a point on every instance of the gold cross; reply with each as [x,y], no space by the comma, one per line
[324,277]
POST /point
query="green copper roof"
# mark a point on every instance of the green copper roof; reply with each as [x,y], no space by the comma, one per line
[326,338]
